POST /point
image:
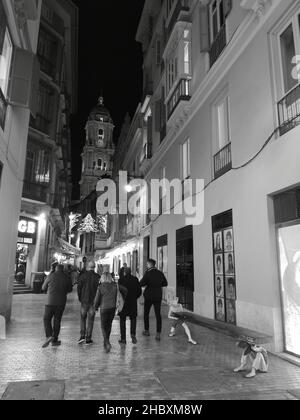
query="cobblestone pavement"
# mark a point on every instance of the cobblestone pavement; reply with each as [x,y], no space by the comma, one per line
[170,369]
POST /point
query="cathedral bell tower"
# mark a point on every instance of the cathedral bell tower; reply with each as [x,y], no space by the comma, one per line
[99,149]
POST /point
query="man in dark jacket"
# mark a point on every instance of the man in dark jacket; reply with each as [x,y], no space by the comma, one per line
[87,288]
[122,271]
[57,285]
[134,291]
[154,281]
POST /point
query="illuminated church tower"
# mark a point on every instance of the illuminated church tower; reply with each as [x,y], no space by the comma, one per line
[99,149]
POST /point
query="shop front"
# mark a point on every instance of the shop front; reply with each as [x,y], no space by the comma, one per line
[27,238]
[287,217]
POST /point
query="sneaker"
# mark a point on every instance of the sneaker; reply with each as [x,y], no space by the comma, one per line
[47,342]
[157,338]
[122,341]
[89,342]
[172,334]
[81,340]
[146,333]
[134,340]
[56,343]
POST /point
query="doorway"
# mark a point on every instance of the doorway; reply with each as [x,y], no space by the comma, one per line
[185,267]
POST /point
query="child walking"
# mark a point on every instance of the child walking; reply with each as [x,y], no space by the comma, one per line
[175,309]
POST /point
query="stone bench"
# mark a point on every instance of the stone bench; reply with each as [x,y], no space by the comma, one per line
[227,329]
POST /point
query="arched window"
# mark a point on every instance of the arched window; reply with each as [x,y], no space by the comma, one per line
[104,166]
[101,134]
[99,163]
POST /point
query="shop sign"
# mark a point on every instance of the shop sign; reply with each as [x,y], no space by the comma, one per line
[27,231]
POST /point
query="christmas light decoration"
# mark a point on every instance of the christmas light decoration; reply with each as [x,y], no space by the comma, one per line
[102,222]
[73,221]
[88,225]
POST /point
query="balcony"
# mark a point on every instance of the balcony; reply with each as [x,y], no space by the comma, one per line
[218,45]
[182,92]
[36,192]
[223,161]
[3,108]
[289,111]
[181,6]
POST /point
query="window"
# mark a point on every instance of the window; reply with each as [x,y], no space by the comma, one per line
[186,160]
[99,163]
[101,134]
[218,12]
[172,72]
[288,52]
[289,106]
[222,116]
[222,144]
[47,53]
[5,62]
[45,108]
[38,160]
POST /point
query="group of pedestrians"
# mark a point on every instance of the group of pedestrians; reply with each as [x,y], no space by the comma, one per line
[94,293]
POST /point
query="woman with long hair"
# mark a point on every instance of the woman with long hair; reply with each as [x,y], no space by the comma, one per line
[106,299]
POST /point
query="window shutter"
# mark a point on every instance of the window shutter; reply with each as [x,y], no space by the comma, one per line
[21,78]
[157,115]
[34,97]
[204,29]
[227,6]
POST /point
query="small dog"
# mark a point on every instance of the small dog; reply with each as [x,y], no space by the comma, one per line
[176,307]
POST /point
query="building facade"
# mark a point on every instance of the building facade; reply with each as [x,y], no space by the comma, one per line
[47,179]
[221,104]
[19,27]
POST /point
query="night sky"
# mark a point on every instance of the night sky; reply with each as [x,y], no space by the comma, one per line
[110,60]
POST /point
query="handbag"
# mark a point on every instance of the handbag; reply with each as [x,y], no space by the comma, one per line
[120,301]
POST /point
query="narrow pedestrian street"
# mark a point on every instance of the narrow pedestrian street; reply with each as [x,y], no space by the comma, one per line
[170,369]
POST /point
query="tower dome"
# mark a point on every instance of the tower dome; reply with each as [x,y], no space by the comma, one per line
[100,112]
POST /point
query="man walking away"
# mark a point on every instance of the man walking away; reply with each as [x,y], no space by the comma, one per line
[87,289]
[122,271]
[57,285]
[154,281]
[134,291]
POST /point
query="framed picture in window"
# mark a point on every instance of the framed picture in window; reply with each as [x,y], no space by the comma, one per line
[231,311]
[228,240]
[218,264]
[218,242]
[229,264]
[219,286]
[230,288]
[220,309]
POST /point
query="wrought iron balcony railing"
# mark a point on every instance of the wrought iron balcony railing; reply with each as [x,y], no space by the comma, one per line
[182,92]
[289,111]
[3,108]
[223,161]
[218,45]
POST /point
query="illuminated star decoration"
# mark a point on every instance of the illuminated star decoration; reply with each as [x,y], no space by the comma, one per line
[88,225]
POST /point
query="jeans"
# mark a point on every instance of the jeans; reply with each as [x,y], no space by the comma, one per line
[157,308]
[107,317]
[54,313]
[123,327]
[87,314]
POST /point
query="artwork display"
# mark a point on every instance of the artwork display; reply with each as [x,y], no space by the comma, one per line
[224,275]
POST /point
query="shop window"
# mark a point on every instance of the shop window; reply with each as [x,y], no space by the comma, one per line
[224,268]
